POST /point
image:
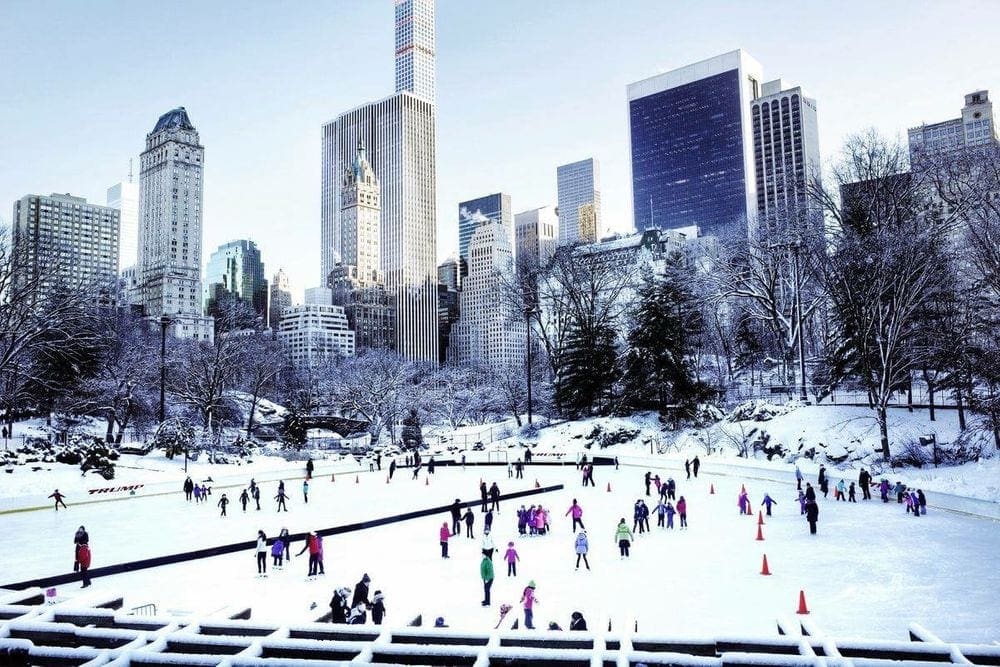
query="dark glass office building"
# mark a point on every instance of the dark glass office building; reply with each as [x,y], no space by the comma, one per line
[691,158]
[475,212]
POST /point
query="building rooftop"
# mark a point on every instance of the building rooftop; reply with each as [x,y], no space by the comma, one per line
[174,119]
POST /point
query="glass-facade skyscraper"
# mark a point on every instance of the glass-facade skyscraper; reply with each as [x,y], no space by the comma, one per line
[235,269]
[415,48]
[691,148]
[475,212]
[578,185]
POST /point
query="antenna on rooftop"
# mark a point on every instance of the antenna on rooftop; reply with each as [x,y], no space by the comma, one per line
[130,170]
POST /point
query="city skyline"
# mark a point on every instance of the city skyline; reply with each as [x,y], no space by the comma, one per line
[261,121]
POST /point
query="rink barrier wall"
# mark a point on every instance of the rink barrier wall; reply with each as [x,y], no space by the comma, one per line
[221,550]
[89,634]
[973,507]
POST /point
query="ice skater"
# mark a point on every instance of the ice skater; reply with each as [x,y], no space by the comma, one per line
[223,503]
[582,546]
[624,538]
[58,497]
[577,512]
[281,498]
[443,536]
[511,556]
[261,553]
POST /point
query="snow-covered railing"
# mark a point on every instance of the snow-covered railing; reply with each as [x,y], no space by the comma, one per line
[67,634]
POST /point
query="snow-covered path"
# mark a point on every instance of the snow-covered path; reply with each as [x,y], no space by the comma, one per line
[870,571]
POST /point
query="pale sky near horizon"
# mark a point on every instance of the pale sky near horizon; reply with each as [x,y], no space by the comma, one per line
[523,86]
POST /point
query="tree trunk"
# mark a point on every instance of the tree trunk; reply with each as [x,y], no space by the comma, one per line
[109,434]
[930,399]
[909,395]
[961,409]
[883,431]
[253,408]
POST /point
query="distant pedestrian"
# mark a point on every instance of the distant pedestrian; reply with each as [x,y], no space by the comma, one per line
[577,512]
[850,494]
[812,515]
[495,497]
[695,465]
[378,605]
[392,468]
[582,546]
[444,534]
[922,501]
[682,512]
[624,538]
[80,538]
[256,496]
[518,469]
[671,489]
[244,499]
[486,572]
[261,552]
[647,480]
[223,502]
[188,488]
[470,518]
[840,493]
[83,563]
[768,502]
[798,477]
[483,495]
[865,482]
[456,516]
[305,491]
[687,468]
[281,498]
[511,557]
[488,521]
[59,499]
[310,466]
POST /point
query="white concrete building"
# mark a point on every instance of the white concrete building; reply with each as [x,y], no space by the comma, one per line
[536,234]
[280,298]
[578,183]
[489,331]
[398,134]
[62,242]
[124,197]
[786,156]
[975,127]
[170,226]
[313,333]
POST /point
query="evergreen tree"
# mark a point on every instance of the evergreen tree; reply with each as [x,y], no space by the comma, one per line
[590,369]
[659,372]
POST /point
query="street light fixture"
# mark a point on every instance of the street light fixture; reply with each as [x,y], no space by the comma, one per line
[164,323]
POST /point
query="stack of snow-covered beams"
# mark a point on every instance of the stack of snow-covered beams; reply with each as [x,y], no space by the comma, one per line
[95,631]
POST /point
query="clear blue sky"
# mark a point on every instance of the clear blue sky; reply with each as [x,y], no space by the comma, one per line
[523,86]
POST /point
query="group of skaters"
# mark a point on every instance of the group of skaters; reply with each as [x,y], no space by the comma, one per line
[198,492]
[250,494]
[353,609]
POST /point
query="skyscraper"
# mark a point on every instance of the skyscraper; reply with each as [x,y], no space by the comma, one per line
[786,155]
[489,331]
[475,212]
[124,197]
[578,183]
[62,242]
[315,333]
[281,298]
[235,270]
[170,196]
[692,151]
[415,48]
[398,134]
[536,233]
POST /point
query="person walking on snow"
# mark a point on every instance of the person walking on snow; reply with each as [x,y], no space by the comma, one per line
[486,572]
[798,477]
[841,493]
[922,501]
[223,502]
[682,512]
[581,546]
[511,557]
[59,499]
[470,518]
[812,515]
[281,498]
[444,534]
[577,512]
[305,491]
[495,497]
[768,501]
[244,499]
[310,466]
[883,489]
[865,482]
[670,516]
[488,521]
[850,494]
[528,601]
[810,492]
[695,465]
[188,488]
[624,538]
[378,606]
[261,553]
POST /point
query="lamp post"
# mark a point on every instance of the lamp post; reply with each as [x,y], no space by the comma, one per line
[527,354]
[164,323]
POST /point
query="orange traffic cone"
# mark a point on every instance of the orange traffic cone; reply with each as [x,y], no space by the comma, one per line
[760,518]
[537,485]
[711,488]
[609,487]
[760,534]
[356,479]
[802,603]
[764,569]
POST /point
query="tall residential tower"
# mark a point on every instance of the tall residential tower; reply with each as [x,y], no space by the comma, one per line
[579,185]
[170,196]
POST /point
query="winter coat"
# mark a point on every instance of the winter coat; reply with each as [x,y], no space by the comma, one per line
[337,609]
[528,597]
[768,500]
[488,542]
[661,509]
[511,555]
[261,545]
[810,493]
[494,491]
[581,543]
[486,569]
[841,487]
[456,511]
[378,607]
[278,547]
[83,556]
[445,533]
[921,498]
[81,537]
[670,511]
[360,594]
[469,517]
[643,511]
[822,475]
[578,622]
[623,533]
[540,519]
[682,507]
[575,510]
[812,512]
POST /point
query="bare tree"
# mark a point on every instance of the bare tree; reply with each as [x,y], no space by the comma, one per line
[374,386]
[263,363]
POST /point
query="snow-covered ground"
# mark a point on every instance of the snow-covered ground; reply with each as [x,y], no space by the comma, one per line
[870,571]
